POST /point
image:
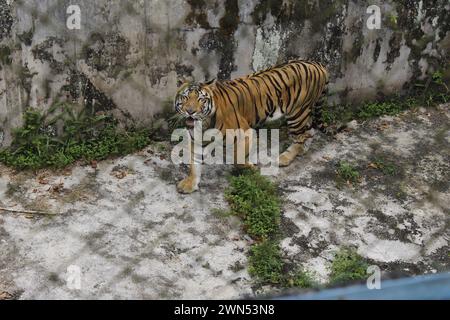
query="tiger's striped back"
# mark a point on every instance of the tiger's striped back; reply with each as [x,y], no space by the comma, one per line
[291,88]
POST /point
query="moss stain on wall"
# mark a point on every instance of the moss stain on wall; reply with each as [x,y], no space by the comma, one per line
[204,40]
[6,19]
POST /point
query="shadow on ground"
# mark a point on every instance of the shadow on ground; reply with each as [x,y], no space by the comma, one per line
[131,235]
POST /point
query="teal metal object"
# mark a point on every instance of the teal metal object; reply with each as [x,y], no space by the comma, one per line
[426,287]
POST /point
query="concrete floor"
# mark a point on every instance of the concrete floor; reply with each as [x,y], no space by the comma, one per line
[124,230]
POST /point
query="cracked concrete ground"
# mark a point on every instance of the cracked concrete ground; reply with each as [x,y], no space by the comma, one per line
[132,236]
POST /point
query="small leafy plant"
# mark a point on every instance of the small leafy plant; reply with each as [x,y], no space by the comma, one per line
[253,197]
[384,166]
[348,173]
[301,279]
[83,136]
[371,110]
[432,92]
[347,266]
[265,262]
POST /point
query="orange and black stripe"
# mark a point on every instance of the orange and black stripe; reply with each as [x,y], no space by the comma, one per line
[293,88]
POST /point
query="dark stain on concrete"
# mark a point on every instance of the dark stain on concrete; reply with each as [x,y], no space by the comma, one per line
[44,52]
[107,52]
[78,85]
[376,51]
[6,19]
[198,14]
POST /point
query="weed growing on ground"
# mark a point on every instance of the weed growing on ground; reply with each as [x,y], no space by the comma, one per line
[346,172]
[83,136]
[431,92]
[254,198]
[301,279]
[384,166]
[265,262]
[347,266]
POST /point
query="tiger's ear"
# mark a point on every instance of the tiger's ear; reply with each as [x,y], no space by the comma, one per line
[183,86]
[207,83]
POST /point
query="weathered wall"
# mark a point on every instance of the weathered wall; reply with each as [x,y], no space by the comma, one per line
[129,56]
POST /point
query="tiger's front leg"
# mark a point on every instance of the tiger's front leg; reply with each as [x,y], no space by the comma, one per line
[242,149]
[297,147]
[292,151]
[190,183]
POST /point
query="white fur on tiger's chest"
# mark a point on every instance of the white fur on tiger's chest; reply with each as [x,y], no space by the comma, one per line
[276,115]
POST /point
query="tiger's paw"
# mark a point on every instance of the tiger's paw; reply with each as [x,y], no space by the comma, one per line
[187,185]
[285,160]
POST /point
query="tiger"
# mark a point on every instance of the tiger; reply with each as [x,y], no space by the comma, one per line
[290,89]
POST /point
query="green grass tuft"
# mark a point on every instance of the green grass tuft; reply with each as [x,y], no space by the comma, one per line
[347,266]
[301,279]
[348,173]
[84,137]
[431,92]
[386,167]
[377,109]
[265,262]
[254,198]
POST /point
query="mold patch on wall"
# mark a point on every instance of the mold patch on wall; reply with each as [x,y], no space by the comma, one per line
[162,44]
[107,52]
[6,19]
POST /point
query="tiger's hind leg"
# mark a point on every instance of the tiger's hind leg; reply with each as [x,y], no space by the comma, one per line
[297,125]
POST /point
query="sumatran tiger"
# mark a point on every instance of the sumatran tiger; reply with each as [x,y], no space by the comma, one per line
[290,89]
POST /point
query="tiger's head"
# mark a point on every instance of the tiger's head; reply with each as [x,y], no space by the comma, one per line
[195,103]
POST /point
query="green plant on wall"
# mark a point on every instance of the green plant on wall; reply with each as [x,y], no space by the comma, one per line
[432,92]
[393,20]
[83,136]
[265,262]
[438,79]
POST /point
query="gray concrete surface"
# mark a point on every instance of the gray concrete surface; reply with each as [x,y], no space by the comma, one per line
[132,236]
[130,56]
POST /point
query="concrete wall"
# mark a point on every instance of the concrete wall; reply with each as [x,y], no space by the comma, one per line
[130,56]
